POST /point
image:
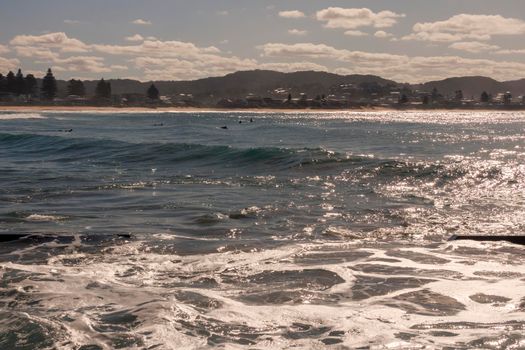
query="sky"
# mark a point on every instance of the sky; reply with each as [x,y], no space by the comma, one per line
[404,40]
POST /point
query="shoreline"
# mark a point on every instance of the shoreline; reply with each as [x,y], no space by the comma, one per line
[77,109]
[181,109]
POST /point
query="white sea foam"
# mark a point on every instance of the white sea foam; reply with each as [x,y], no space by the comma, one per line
[148,285]
[15,116]
[40,217]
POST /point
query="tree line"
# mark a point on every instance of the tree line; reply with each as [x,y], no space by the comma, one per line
[20,85]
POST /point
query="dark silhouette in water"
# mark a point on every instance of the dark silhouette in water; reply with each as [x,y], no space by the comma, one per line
[12,237]
[251,120]
[224,127]
[65,130]
[28,237]
[511,239]
[159,124]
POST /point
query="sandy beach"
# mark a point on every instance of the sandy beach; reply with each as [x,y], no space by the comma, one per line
[171,109]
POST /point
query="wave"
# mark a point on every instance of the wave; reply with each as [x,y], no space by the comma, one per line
[66,149]
[15,116]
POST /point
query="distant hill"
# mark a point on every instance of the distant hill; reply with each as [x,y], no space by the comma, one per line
[239,84]
[517,87]
[473,86]
[263,82]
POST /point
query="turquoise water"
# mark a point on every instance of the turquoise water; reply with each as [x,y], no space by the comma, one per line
[279,230]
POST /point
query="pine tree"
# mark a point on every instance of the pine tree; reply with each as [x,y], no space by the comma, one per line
[103,89]
[153,92]
[11,83]
[20,84]
[3,84]
[484,97]
[49,86]
[30,85]
[435,94]
[76,87]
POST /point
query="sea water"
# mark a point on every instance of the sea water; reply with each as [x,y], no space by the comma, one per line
[169,230]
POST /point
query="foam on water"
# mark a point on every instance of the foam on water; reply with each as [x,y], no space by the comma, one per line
[40,217]
[17,116]
[305,295]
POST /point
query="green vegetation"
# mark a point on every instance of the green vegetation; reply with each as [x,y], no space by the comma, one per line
[31,85]
[49,86]
[153,92]
[103,90]
[76,88]
[484,97]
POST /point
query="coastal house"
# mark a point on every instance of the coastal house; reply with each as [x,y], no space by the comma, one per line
[503,98]
[76,98]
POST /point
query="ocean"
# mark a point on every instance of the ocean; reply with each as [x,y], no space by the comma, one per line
[170,230]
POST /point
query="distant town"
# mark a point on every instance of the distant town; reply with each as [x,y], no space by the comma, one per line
[261,89]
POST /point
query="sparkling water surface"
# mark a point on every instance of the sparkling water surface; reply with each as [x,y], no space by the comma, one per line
[165,230]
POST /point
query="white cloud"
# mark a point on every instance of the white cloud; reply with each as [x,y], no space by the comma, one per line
[157,48]
[171,59]
[7,64]
[291,14]
[466,27]
[352,18]
[310,50]
[293,66]
[177,69]
[86,64]
[156,68]
[510,52]
[473,46]
[355,33]
[297,32]
[148,62]
[90,64]
[57,40]
[136,37]
[141,21]
[411,69]
[118,67]
[36,52]
[383,35]
[4,49]
[46,48]
[298,50]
